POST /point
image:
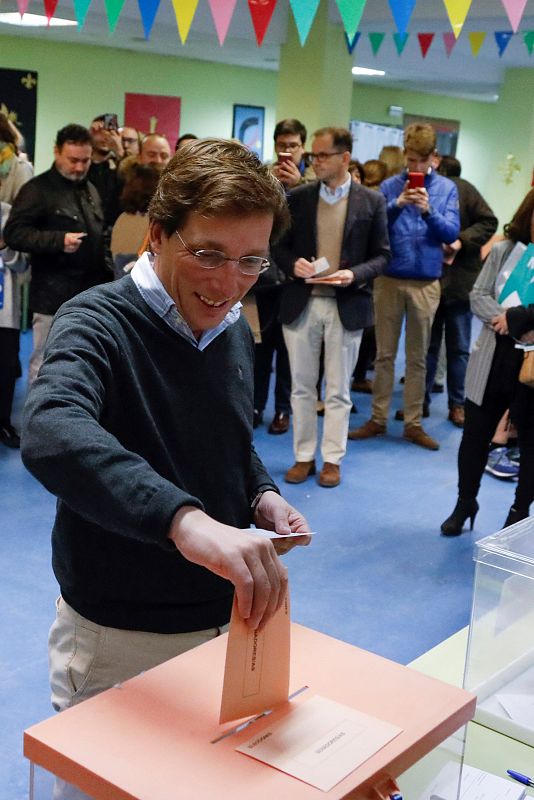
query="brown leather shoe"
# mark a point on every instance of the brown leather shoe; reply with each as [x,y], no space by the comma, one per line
[457,416]
[416,434]
[300,471]
[280,424]
[330,475]
[364,387]
[367,430]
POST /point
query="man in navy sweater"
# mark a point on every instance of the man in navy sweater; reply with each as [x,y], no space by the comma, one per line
[140,422]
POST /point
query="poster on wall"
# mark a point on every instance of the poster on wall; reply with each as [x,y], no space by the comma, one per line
[248,127]
[18,101]
[153,113]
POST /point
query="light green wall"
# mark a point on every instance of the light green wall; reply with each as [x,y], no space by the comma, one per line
[488,131]
[76,83]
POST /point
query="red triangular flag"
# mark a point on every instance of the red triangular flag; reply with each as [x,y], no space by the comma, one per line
[50,8]
[425,40]
[261,12]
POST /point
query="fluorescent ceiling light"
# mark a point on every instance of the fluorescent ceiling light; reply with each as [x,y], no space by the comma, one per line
[33,20]
[366,71]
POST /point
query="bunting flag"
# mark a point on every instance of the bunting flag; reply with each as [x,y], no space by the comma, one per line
[304,12]
[184,11]
[528,38]
[113,12]
[148,10]
[476,40]
[22,6]
[261,12]
[449,39]
[400,40]
[351,45]
[81,7]
[503,40]
[457,11]
[222,12]
[351,13]
[514,10]
[425,40]
[376,40]
[50,7]
[402,11]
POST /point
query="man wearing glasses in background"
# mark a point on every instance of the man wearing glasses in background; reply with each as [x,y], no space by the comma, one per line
[290,137]
[141,424]
[343,224]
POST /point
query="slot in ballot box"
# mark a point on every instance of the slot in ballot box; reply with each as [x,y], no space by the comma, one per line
[500,654]
[157,736]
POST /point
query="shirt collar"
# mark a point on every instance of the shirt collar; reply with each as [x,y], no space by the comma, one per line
[332,196]
[156,296]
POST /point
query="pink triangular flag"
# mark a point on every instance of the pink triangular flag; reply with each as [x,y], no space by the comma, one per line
[222,12]
[514,10]
[449,40]
[22,6]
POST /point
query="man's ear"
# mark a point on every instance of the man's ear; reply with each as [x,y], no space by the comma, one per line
[156,235]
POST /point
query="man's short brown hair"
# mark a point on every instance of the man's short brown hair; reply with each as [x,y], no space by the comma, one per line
[216,177]
[421,138]
[341,138]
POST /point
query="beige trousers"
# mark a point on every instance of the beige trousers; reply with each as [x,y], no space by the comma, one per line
[86,658]
[396,300]
[41,324]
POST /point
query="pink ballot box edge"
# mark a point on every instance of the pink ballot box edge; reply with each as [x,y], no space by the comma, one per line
[154,733]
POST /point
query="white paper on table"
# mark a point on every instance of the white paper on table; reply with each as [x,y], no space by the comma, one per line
[519,706]
[476,785]
[320,741]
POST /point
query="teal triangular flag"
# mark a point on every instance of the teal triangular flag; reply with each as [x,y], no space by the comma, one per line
[528,38]
[304,12]
[376,40]
[400,40]
[81,7]
[351,13]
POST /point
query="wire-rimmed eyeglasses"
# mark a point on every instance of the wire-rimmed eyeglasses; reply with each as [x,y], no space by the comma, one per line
[324,156]
[211,259]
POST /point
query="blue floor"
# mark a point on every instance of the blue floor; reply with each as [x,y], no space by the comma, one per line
[378,574]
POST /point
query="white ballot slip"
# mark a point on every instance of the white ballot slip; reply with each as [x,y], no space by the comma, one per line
[476,785]
[319,741]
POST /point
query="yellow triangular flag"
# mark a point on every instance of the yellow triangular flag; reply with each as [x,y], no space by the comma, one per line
[476,40]
[184,11]
[457,11]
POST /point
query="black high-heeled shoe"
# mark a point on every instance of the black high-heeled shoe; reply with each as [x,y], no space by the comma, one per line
[515,515]
[464,509]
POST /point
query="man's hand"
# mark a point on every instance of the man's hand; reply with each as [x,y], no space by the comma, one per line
[417,197]
[500,324]
[249,562]
[287,173]
[303,268]
[342,277]
[72,242]
[528,337]
[273,513]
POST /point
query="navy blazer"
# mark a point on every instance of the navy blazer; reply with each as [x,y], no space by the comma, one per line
[365,251]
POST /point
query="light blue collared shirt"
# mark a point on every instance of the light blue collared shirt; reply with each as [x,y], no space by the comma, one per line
[333,196]
[156,296]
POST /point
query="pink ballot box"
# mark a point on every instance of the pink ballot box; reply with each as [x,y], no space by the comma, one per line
[158,737]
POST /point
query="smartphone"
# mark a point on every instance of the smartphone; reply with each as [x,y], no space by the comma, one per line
[417,180]
[284,158]
[111,123]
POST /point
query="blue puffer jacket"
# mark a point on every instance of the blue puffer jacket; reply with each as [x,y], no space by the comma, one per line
[416,240]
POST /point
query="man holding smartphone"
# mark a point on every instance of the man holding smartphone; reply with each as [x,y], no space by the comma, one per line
[292,167]
[423,214]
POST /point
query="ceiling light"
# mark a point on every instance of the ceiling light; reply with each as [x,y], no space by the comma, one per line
[33,20]
[366,71]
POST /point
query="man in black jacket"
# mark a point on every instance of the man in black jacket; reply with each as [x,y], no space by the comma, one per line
[57,218]
[460,269]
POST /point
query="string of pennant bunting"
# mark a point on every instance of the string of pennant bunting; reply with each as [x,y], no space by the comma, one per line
[304,11]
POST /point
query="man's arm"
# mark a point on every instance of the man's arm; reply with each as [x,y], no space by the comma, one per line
[482,223]
[378,249]
[23,229]
[445,225]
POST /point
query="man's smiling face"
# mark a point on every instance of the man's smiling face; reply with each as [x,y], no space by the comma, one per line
[204,296]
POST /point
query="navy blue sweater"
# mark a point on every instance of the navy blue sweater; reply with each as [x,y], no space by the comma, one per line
[126,423]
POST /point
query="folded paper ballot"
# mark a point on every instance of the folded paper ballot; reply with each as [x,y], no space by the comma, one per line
[272,535]
[322,267]
[256,672]
[476,785]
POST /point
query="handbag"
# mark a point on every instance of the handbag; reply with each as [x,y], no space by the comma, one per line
[526,373]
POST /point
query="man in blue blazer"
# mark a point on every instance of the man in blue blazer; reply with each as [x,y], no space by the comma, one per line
[338,242]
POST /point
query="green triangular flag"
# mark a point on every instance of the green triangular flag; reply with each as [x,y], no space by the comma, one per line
[304,12]
[400,40]
[376,40]
[113,12]
[528,38]
[351,13]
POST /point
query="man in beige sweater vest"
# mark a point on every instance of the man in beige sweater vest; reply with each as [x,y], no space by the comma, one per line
[343,224]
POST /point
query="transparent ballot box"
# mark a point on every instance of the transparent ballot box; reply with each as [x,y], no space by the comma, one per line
[500,654]
[437,776]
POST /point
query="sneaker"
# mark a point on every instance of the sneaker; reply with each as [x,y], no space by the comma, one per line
[513,454]
[501,466]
